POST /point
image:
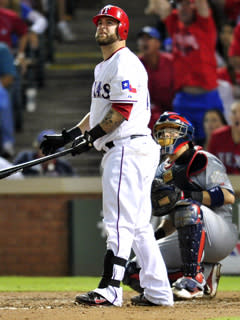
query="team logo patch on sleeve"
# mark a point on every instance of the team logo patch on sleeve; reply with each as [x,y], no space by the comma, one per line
[126,85]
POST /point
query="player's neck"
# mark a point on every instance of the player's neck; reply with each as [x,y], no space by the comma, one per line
[108,51]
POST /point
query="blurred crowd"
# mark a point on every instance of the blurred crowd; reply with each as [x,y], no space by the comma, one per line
[192,55]
[191,52]
[27,31]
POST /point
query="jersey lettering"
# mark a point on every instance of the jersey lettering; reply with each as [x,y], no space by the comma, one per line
[101,91]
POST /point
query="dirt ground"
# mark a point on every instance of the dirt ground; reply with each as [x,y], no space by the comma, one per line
[60,305]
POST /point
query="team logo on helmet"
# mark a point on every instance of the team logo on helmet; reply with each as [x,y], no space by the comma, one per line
[172,131]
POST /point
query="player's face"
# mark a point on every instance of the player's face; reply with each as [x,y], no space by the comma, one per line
[212,121]
[186,11]
[148,45]
[166,136]
[106,33]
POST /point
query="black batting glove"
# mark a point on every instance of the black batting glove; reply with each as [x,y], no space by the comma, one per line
[82,143]
[53,142]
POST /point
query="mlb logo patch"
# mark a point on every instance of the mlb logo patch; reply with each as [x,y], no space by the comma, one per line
[126,85]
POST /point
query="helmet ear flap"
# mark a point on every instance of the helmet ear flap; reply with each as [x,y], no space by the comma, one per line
[123,30]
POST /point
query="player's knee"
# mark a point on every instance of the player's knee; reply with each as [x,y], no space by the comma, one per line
[187,215]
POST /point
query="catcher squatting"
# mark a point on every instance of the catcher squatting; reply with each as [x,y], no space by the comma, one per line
[193,195]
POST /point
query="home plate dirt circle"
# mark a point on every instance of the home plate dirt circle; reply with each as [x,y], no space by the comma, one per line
[60,305]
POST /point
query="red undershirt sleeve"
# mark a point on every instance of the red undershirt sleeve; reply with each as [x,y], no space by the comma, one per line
[123,108]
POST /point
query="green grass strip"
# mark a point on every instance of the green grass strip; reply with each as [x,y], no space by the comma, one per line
[229,283]
[19,283]
[225,318]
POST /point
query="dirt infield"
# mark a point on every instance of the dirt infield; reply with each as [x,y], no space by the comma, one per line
[60,305]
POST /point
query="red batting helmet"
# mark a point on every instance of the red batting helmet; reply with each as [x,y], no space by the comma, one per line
[118,14]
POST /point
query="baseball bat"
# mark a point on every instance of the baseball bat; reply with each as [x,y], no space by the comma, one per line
[9,171]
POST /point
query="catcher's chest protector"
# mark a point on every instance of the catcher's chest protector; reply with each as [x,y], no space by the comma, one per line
[180,173]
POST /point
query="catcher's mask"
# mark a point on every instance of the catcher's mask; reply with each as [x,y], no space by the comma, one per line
[118,14]
[172,131]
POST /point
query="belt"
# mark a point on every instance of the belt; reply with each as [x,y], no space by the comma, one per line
[111,144]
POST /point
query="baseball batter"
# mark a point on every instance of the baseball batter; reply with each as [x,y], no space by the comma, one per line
[117,125]
[198,231]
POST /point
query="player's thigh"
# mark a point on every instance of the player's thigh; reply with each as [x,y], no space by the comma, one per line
[169,247]
[221,236]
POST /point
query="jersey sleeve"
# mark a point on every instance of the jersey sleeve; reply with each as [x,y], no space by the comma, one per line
[123,90]
[123,108]
[216,174]
[124,86]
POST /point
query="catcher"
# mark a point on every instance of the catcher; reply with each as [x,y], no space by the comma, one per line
[193,196]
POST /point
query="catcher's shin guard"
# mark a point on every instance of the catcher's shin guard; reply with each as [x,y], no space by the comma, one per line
[131,276]
[109,261]
[188,220]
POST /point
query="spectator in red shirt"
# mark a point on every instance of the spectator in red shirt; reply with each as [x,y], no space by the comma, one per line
[225,142]
[11,23]
[159,66]
[193,30]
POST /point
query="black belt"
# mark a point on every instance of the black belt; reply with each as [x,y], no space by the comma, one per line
[111,144]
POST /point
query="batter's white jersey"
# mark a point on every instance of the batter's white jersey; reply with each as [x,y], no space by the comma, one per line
[121,79]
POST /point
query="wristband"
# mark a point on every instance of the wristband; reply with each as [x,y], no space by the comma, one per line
[74,132]
[217,196]
[96,132]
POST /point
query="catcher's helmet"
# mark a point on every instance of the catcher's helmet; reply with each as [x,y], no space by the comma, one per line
[172,131]
[118,14]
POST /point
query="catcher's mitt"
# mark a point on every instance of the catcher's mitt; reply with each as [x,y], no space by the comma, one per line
[164,197]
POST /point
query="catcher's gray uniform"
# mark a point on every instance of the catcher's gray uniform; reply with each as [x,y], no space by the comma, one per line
[221,233]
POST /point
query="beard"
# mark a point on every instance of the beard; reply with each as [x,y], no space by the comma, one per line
[107,40]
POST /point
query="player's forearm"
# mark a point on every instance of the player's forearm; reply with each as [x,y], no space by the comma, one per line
[111,121]
[84,123]
[217,197]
